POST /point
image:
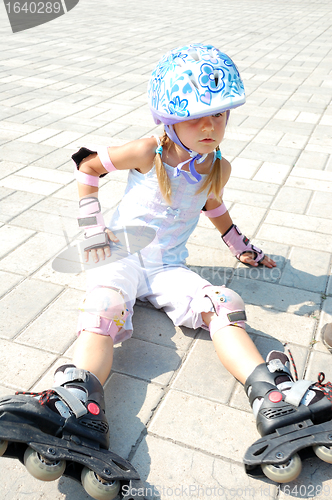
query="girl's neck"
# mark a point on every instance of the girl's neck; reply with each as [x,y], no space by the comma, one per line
[174,155]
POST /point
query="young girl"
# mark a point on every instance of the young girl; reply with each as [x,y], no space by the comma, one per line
[171,179]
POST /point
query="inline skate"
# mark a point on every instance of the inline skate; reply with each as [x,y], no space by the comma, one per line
[294,419]
[64,431]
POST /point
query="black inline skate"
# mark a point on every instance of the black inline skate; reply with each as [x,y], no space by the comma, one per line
[64,431]
[294,419]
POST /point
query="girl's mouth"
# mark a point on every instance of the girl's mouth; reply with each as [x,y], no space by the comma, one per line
[207,140]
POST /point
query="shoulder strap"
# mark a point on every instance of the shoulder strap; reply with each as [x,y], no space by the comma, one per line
[157,139]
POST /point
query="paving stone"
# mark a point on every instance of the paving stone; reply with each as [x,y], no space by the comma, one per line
[129,407]
[261,200]
[202,258]
[163,332]
[272,172]
[21,365]
[292,199]
[312,184]
[284,327]
[252,186]
[46,332]
[193,422]
[21,306]
[8,167]
[12,237]
[16,203]
[20,183]
[296,270]
[8,281]
[273,296]
[46,174]
[48,223]
[320,205]
[203,375]
[244,169]
[183,472]
[146,361]
[296,237]
[298,221]
[312,160]
[282,155]
[17,483]
[32,254]
[314,481]
[203,235]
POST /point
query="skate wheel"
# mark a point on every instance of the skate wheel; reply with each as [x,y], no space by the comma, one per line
[97,487]
[41,468]
[323,452]
[283,473]
[3,446]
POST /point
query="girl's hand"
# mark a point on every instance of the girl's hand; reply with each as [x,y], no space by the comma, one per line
[102,253]
[248,258]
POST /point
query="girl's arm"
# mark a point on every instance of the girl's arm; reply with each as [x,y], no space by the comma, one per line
[230,234]
[90,166]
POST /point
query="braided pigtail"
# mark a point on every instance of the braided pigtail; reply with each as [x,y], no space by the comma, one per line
[213,180]
[163,179]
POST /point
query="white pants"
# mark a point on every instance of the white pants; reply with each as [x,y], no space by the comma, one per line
[171,288]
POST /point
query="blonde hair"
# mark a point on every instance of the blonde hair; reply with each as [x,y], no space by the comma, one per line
[163,179]
[213,180]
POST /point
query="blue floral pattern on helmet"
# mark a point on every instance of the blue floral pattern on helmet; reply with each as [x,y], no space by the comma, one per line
[193,81]
[177,107]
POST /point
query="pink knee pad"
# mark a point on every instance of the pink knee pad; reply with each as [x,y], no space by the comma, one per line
[228,306]
[103,311]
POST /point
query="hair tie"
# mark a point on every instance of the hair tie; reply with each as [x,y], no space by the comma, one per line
[218,154]
[159,150]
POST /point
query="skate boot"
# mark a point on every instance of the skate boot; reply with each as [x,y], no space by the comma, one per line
[64,431]
[294,419]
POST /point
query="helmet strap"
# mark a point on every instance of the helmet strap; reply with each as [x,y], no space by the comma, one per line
[169,129]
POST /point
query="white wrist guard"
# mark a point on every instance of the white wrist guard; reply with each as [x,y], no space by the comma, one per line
[92,220]
[240,244]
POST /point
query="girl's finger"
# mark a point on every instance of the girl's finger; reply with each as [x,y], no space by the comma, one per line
[111,236]
[94,255]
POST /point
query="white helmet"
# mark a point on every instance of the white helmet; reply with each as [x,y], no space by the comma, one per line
[194,81]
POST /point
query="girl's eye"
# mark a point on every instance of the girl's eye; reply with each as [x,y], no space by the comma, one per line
[218,115]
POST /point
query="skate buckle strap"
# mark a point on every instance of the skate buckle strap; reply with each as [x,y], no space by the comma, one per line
[74,374]
[74,404]
[275,365]
[296,393]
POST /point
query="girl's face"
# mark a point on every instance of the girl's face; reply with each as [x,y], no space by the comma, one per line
[202,135]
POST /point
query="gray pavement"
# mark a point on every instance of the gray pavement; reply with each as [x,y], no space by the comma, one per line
[174,411]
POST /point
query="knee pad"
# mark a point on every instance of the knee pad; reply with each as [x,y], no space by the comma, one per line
[103,311]
[228,306]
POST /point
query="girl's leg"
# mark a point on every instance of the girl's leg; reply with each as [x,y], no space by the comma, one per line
[235,349]
[94,352]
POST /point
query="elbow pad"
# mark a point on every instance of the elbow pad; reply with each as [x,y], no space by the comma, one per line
[91,180]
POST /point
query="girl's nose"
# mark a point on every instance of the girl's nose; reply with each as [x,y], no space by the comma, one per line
[207,123]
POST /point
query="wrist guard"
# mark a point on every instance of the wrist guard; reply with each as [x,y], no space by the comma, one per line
[240,244]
